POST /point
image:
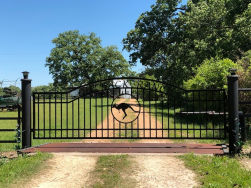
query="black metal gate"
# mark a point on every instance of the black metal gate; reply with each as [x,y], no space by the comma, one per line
[129,108]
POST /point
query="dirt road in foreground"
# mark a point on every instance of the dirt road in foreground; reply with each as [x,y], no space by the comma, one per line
[162,172]
[71,170]
[64,170]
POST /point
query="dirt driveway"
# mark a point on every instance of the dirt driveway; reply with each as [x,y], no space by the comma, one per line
[64,170]
[73,170]
[144,121]
[157,171]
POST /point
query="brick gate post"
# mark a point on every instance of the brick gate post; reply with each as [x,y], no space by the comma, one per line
[26,110]
[233,113]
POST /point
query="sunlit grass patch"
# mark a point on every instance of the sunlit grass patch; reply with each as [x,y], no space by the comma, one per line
[112,171]
[217,171]
[21,168]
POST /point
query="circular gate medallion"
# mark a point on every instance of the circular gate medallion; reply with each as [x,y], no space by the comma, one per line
[125,108]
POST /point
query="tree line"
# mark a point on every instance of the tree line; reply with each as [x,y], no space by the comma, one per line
[189,45]
[173,40]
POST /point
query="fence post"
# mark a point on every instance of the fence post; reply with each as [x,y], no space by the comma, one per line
[233,113]
[26,110]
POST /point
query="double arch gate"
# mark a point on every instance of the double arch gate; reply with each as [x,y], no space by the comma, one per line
[129,108]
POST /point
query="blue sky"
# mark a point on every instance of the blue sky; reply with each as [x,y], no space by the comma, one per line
[28,26]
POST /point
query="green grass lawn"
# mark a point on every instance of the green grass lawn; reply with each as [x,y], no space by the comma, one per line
[56,116]
[215,171]
[173,120]
[19,169]
[76,119]
[112,171]
[8,124]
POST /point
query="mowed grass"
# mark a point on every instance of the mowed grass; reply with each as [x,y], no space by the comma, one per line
[112,171]
[69,116]
[170,118]
[8,124]
[60,116]
[19,169]
[214,171]
[78,114]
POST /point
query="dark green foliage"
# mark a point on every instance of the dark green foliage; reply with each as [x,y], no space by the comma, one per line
[244,72]
[173,39]
[146,88]
[1,92]
[77,59]
[14,89]
[10,91]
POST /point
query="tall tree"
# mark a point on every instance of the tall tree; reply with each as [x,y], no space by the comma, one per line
[172,39]
[78,59]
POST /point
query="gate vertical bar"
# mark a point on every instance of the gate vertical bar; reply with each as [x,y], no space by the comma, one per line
[107,111]
[225,115]
[243,132]
[26,110]
[33,109]
[149,98]
[233,110]
[84,110]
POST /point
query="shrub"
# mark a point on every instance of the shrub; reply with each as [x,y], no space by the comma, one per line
[211,74]
[244,70]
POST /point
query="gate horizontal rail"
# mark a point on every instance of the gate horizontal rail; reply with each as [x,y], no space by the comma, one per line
[10,118]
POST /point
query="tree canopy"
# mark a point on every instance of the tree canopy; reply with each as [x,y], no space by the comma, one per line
[172,38]
[44,88]
[211,74]
[244,70]
[78,59]
[10,90]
